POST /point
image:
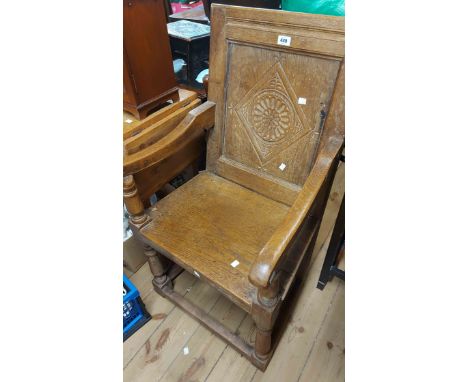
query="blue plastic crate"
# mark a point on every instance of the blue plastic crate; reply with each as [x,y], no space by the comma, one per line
[134,312]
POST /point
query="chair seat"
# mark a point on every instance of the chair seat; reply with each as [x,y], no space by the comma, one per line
[209,223]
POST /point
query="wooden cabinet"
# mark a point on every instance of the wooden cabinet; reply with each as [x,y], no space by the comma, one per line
[148,75]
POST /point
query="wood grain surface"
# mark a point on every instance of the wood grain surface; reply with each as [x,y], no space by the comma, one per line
[210,222]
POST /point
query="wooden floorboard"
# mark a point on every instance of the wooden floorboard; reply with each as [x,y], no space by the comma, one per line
[159,308]
[204,347]
[142,280]
[162,347]
[311,348]
[127,272]
[325,361]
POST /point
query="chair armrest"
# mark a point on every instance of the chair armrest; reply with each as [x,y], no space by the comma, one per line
[195,123]
[270,255]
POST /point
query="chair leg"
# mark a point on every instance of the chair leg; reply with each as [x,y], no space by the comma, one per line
[159,266]
[264,314]
[262,343]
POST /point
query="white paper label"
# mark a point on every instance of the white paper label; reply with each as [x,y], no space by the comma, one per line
[196,274]
[282,166]
[302,101]
[284,40]
[235,263]
[129,120]
[186,350]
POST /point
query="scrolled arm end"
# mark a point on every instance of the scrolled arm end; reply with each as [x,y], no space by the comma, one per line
[260,273]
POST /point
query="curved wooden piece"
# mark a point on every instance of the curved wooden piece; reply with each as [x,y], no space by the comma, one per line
[136,127]
[196,122]
[268,258]
[158,130]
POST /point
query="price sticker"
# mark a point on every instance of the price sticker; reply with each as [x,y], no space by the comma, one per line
[284,40]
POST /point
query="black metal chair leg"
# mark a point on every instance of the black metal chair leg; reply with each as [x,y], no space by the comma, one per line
[329,268]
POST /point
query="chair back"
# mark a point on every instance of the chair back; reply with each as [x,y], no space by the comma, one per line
[277,79]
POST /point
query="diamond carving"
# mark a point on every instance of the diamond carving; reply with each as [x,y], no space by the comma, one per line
[269,115]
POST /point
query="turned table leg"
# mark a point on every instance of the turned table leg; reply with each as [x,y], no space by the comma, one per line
[133,202]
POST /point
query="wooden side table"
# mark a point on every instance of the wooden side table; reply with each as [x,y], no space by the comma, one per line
[190,41]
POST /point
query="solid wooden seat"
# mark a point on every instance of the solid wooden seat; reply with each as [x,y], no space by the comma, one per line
[210,222]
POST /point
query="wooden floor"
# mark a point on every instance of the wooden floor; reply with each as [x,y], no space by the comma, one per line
[174,347]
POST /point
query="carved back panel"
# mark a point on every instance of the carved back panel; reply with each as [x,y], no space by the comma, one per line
[278,82]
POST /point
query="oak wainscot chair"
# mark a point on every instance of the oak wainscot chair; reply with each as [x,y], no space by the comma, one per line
[275,126]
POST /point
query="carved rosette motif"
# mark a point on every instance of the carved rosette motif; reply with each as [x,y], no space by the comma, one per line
[272,115]
[269,115]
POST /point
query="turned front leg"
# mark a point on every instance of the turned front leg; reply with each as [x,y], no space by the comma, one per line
[264,315]
[159,266]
